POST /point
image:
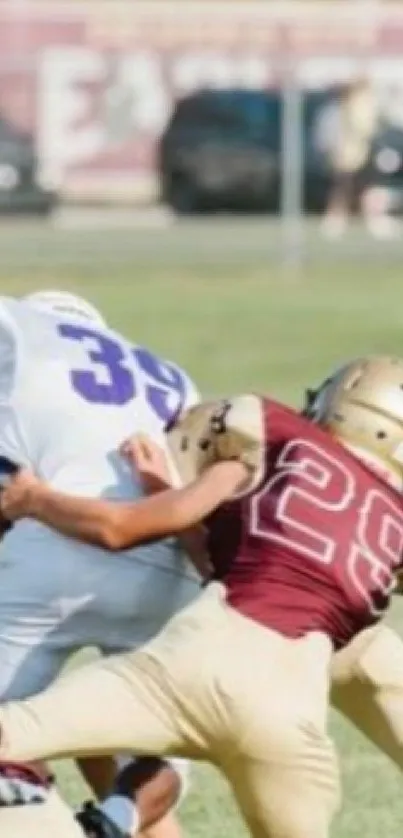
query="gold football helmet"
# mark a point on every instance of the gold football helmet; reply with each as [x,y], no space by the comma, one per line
[226,429]
[362,405]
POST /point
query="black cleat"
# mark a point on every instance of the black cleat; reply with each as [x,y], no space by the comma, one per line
[96,824]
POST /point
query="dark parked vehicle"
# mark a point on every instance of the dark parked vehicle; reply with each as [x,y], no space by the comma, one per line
[221,150]
[20,192]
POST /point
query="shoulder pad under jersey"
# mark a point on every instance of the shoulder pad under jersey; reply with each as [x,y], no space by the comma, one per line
[224,429]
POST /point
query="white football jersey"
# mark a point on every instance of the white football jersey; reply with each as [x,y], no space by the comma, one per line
[70,394]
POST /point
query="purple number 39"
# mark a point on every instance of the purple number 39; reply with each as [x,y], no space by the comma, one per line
[109,381]
[110,376]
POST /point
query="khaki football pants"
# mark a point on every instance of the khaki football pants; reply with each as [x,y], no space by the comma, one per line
[367,687]
[212,686]
[52,819]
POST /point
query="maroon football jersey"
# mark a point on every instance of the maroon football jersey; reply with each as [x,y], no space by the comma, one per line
[315,546]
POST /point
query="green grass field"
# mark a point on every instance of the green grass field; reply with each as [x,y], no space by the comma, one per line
[214,298]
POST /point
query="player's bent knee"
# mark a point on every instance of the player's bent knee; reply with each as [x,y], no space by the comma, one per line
[285,804]
[288,786]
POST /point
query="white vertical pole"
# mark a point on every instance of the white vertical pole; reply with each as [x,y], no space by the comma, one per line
[292,170]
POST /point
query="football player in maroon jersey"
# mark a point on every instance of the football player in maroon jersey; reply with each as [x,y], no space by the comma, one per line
[304,523]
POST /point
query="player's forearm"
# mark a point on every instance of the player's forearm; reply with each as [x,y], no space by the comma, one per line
[118,526]
[108,524]
[84,519]
[179,511]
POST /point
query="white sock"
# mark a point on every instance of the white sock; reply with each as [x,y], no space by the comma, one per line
[122,812]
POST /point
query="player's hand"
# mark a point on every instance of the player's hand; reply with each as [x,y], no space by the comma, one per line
[18,495]
[149,461]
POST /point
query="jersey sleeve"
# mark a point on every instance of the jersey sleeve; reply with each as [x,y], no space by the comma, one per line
[226,429]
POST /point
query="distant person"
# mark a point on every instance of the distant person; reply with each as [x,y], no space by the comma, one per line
[349,152]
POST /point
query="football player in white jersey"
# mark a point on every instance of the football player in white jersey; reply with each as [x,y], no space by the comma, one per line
[71,391]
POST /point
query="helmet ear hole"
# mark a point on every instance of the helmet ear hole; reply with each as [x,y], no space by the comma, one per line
[381,435]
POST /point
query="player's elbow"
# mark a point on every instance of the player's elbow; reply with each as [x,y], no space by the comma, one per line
[123,527]
[112,532]
[109,539]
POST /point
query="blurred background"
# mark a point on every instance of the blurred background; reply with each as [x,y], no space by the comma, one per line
[224,178]
[204,107]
